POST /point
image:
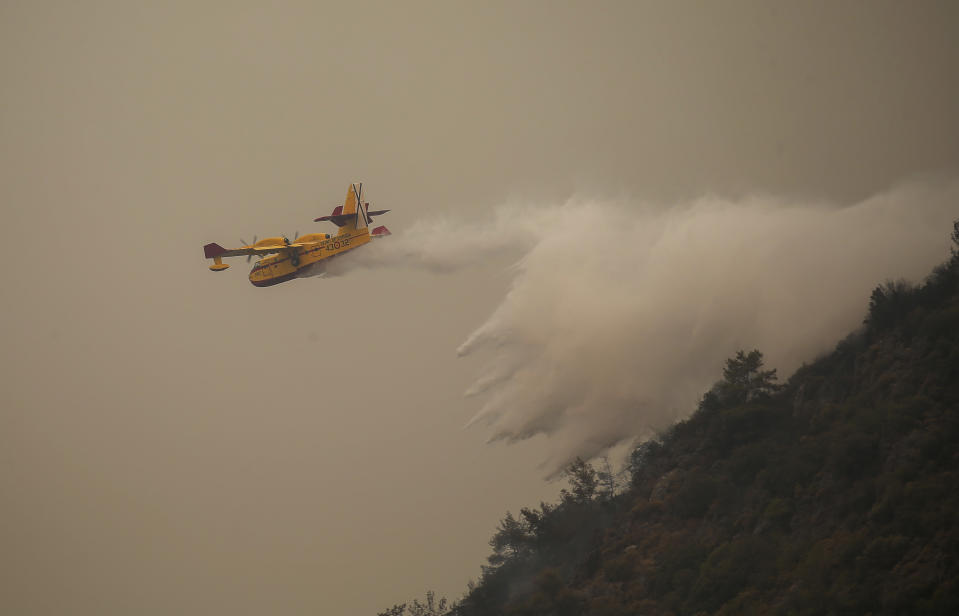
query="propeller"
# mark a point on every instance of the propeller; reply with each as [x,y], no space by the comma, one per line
[243,241]
[294,253]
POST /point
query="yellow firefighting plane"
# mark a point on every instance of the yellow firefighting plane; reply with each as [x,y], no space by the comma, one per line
[309,254]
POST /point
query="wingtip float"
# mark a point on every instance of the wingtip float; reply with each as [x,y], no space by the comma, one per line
[307,255]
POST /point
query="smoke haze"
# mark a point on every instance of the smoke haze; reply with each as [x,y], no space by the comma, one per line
[621,314]
[178,441]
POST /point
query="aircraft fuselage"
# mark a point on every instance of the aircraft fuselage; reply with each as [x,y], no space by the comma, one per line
[309,259]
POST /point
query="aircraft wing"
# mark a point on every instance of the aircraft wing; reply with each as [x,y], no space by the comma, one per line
[215,250]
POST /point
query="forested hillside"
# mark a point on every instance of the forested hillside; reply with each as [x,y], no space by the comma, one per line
[836,492]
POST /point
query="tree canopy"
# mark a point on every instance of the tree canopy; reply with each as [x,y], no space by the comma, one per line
[744,379]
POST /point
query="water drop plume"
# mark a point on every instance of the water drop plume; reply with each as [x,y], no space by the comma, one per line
[621,314]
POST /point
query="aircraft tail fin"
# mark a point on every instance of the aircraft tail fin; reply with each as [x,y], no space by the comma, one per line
[354,205]
[213,250]
[352,198]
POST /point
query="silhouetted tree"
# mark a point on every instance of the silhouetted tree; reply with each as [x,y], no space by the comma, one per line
[888,302]
[510,539]
[429,607]
[606,478]
[536,519]
[583,482]
[744,378]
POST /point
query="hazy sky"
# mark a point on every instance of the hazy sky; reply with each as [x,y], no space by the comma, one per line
[178,441]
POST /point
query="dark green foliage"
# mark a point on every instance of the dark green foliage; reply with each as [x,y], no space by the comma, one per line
[695,496]
[551,595]
[833,494]
[744,379]
[728,569]
[642,462]
[888,303]
[583,481]
[511,538]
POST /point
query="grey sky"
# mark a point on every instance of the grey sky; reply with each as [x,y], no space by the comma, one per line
[178,441]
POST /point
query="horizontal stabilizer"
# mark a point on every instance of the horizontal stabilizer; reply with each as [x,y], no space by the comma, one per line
[337,211]
[380,232]
[338,218]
